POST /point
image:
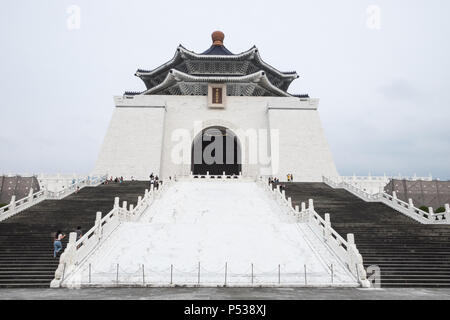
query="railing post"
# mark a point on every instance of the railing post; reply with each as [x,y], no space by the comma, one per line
[30,195]
[116,203]
[130,212]
[12,205]
[310,204]
[430,213]
[327,230]
[98,223]
[290,202]
[411,205]
[394,195]
[447,212]
[303,204]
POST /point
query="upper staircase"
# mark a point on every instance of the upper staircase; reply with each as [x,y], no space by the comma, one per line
[26,243]
[409,254]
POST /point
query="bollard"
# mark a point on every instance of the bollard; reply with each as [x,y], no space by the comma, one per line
[279,274]
[226,267]
[332,274]
[306,281]
[143,275]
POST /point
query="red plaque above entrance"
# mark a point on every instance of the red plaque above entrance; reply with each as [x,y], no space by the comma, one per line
[217,95]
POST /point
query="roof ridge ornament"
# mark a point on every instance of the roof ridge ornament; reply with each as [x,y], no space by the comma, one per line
[217,38]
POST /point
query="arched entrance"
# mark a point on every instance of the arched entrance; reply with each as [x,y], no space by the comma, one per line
[216,150]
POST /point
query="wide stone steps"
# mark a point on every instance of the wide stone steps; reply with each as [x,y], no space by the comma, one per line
[26,244]
[408,253]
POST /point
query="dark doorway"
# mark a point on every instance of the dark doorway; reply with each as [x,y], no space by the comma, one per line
[216,150]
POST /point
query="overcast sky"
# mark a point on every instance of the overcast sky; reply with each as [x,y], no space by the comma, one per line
[384,92]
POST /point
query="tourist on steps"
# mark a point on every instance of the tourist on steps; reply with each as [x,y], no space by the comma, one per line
[79,233]
[57,244]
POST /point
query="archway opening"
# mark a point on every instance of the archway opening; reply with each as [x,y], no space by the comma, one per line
[216,150]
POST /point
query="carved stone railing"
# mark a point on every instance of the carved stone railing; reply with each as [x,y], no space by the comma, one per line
[78,251]
[407,208]
[17,206]
[345,249]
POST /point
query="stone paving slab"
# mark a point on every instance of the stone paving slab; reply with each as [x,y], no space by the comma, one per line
[225,294]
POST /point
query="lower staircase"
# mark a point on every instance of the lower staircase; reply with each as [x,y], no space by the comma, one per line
[409,254]
[26,243]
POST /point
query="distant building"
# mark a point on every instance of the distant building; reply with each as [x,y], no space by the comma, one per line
[433,194]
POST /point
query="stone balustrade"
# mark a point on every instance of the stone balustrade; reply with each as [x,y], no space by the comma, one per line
[17,206]
[78,251]
[346,250]
[392,201]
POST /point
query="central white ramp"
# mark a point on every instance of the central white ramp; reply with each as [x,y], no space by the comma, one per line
[206,232]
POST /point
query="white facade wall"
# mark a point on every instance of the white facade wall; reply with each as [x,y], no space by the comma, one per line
[151,134]
[133,142]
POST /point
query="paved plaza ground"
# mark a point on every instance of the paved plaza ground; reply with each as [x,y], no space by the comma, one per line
[226,294]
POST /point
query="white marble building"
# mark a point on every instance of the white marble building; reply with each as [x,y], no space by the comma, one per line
[274,132]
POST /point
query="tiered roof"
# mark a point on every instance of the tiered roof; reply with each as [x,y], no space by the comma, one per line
[188,73]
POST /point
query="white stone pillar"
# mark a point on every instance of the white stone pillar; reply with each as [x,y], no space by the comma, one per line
[30,195]
[12,204]
[430,213]
[447,212]
[116,203]
[98,224]
[311,204]
[394,195]
[327,231]
[290,202]
[411,205]
[303,206]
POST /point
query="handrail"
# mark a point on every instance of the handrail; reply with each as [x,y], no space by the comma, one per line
[345,250]
[392,201]
[78,251]
[17,206]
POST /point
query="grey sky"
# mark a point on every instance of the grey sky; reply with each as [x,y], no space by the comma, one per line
[385,93]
